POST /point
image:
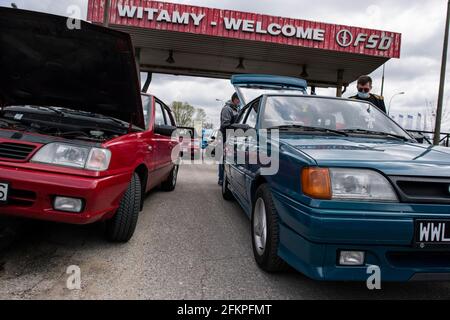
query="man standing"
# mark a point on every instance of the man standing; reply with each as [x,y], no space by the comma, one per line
[364,87]
[227,117]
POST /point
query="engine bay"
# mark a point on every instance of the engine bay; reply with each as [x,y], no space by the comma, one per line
[62,122]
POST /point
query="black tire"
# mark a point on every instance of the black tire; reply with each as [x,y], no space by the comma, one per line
[171,181]
[121,227]
[226,192]
[269,260]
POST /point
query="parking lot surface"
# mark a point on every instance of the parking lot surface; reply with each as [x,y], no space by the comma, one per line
[189,244]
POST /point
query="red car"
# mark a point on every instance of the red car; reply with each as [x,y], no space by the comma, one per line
[78,143]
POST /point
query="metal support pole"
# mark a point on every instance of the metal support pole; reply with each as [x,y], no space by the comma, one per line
[147,83]
[137,56]
[340,82]
[106,13]
[437,130]
[382,80]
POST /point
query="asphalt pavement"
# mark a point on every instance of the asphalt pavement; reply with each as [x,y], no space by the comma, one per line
[189,244]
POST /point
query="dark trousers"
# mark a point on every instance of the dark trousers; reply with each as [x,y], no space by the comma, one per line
[221,172]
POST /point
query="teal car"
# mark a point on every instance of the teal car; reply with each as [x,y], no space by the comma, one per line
[353,190]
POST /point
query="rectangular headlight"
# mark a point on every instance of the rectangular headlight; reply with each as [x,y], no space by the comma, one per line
[360,184]
[68,204]
[351,258]
[62,154]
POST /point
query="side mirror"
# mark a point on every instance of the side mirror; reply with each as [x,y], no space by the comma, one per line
[165,130]
[240,126]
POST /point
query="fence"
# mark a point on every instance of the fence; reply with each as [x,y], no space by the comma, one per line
[428,136]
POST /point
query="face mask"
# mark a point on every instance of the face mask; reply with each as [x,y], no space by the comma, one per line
[364,95]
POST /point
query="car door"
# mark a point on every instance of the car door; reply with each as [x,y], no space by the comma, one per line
[162,144]
[172,142]
[146,137]
[244,147]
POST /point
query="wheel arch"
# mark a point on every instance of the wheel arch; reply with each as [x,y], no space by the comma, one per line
[257,182]
[142,172]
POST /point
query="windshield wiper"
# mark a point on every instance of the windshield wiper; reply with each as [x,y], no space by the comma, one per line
[377,133]
[309,129]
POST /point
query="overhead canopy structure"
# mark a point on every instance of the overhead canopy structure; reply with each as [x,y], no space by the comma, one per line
[196,41]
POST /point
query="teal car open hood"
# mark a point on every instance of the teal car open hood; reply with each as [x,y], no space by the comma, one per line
[388,156]
[266,82]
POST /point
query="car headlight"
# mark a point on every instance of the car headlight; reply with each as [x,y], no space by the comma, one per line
[95,159]
[347,184]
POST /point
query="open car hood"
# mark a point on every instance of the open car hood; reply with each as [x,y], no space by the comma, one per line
[44,63]
[268,80]
[263,82]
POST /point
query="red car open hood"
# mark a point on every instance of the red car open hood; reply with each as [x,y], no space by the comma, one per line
[43,62]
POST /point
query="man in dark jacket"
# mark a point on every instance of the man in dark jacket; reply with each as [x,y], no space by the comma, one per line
[364,87]
[228,116]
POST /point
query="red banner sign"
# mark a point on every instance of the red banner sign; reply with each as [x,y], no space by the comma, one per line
[247,26]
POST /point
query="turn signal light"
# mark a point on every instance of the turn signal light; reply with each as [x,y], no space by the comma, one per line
[316,183]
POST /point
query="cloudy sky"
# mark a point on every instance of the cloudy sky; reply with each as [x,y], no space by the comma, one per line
[416,73]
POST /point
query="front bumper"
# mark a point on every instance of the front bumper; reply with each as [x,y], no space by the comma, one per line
[311,239]
[32,192]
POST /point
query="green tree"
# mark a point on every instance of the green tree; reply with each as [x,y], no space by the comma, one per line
[183,112]
[200,115]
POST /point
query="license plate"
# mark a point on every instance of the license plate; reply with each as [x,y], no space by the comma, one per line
[432,233]
[4,192]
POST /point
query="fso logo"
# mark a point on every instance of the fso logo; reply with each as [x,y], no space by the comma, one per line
[345,38]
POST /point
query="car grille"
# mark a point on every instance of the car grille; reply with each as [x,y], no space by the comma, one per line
[419,259]
[21,198]
[15,151]
[422,190]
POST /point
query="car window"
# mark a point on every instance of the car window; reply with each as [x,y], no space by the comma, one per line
[241,116]
[244,114]
[159,116]
[252,115]
[252,92]
[168,116]
[146,105]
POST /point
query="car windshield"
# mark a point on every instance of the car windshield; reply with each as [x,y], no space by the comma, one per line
[333,114]
[250,93]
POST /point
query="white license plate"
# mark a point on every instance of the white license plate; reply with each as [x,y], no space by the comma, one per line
[432,232]
[4,192]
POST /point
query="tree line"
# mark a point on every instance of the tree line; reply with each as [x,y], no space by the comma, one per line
[186,115]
